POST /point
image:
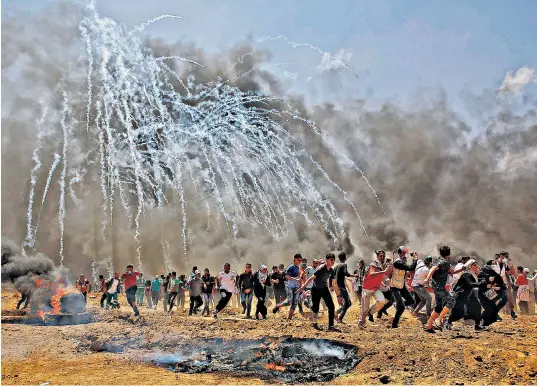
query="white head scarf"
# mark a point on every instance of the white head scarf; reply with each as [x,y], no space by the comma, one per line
[262,273]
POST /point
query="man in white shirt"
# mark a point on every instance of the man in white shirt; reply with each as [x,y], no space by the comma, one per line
[113,288]
[422,270]
[225,281]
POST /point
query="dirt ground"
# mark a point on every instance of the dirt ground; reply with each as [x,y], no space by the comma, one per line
[505,354]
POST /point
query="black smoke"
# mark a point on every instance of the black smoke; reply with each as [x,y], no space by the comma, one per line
[438,180]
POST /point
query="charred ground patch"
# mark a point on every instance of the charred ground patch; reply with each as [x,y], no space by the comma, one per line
[287,359]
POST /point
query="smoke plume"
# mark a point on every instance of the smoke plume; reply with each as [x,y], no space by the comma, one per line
[438,182]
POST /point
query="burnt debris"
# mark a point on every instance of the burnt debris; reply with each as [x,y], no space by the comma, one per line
[289,360]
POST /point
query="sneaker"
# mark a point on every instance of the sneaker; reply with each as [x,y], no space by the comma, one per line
[276,310]
[447,326]
[215,314]
[333,329]
[514,315]
[498,318]
[430,330]
[370,317]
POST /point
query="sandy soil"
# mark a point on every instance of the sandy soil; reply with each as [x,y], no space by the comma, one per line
[506,354]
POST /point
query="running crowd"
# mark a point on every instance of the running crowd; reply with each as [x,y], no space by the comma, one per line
[448,291]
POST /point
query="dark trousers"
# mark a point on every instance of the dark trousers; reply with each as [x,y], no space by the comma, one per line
[195,303]
[323,293]
[225,297]
[402,299]
[389,302]
[469,309]
[131,298]
[155,295]
[502,299]
[261,308]
[279,295]
[85,296]
[346,302]
[24,299]
[103,298]
[490,310]
[171,300]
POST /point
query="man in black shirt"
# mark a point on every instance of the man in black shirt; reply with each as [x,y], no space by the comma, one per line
[246,285]
[322,281]
[343,296]
[278,283]
[207,292]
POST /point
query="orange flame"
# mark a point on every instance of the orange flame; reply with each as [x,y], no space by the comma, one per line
[55,300]
[40,314]
[275,367]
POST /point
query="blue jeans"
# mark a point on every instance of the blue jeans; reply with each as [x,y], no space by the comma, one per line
[246,301]
[425,299]
[292,298]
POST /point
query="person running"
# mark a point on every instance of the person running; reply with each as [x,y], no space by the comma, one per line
[261,280]
[492,300]
[343,296]
[371,287]
[523,293]
[147,293]
[322,284]
[438,276]
[208,287]
[84,286]
[129,282]
[246,285]
[398,284]
[359,280]
[140,289]
[196,287]
[181,295]
[113,288]
[225,280]
[507,271]
[102,289]
[306,294]
[173,289]
[26,294]
[165,282]
[293,276]
[467,304]
[531,287]
[305,297]
[277,279]
[418,285]
[155,291]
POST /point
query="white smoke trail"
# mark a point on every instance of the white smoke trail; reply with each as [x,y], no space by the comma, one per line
[30,232]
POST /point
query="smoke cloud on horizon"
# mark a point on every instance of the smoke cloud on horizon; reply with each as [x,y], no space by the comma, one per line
[438,183]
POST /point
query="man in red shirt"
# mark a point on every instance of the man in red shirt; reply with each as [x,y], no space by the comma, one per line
[371,286]
[129,283]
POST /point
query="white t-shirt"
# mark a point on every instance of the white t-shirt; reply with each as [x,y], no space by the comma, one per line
[420,275]
[309,273]
[227,280]
[113,287]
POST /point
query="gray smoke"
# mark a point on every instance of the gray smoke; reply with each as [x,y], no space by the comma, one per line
[437,181]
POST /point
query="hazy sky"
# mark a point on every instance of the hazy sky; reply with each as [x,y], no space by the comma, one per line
[396,48]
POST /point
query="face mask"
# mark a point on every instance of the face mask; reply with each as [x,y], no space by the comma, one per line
[304,265]
[505,261]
